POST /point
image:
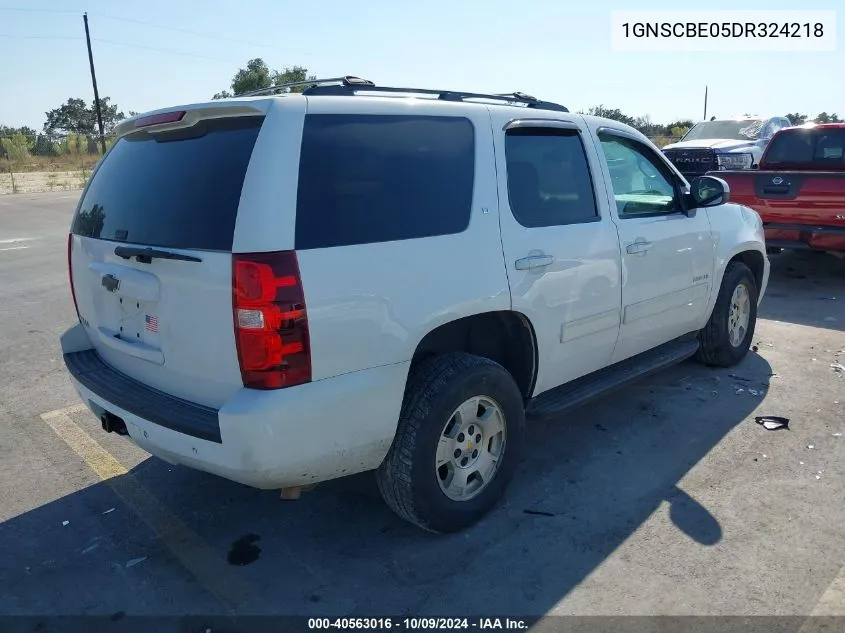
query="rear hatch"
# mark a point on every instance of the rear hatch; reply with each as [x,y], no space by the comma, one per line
[150,251]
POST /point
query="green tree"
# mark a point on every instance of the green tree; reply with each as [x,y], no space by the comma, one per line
[687,123]
[258,75]
[76,117]
[678,131]
[16,147]
[292,75]
[28,132]
[645,125]
[796,119]
[44,146]
[824,117]
[611,113]
[73,145]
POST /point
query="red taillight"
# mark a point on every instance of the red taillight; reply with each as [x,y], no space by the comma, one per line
[158,119]
[271,323]
[70,271]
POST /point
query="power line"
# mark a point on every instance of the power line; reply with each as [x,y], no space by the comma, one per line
[12,36]
[115,43]
[163,50]
[190,32]
[167,27]
[31,10]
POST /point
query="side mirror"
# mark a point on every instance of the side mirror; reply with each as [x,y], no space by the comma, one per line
[709,191]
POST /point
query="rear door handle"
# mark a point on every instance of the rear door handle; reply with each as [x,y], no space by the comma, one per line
[639,248]
[534,261]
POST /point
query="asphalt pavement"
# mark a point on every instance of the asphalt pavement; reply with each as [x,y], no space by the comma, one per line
[664,499]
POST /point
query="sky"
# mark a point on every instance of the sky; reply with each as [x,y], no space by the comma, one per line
[163,53]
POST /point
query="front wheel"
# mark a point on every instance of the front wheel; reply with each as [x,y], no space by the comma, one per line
[725,339]
[457,443]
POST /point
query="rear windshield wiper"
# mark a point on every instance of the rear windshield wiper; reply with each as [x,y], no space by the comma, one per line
[146,255]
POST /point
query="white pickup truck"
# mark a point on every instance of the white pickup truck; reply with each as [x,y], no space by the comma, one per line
[723,144]
[286,289]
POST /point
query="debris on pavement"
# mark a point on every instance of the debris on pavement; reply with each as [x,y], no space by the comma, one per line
[754,392]
[754,348]
[539,513]
[135,561]
[740,378]
[109,510]
[772,422]
[739,390]
[837,435]
[65,523]
[818,476]
[810,446]
[91,548]
[837,367]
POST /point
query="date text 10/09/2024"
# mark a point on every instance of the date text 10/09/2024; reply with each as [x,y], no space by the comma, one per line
[416,624]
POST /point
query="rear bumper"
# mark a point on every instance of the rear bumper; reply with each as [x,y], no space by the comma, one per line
[805,236]
[266,439]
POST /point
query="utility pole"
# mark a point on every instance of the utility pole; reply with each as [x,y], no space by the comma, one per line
[94,81]
[705,101]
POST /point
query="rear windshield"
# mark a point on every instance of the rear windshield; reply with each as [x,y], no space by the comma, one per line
[374,178]
[177,189]
[801,147]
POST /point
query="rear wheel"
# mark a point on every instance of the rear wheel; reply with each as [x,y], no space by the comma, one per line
[457,443]
[727,336]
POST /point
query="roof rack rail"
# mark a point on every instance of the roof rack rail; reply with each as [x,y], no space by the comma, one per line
[342,88]
[347,81]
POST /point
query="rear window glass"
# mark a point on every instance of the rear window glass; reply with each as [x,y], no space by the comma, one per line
[822,146]
[177,189]
[374,178]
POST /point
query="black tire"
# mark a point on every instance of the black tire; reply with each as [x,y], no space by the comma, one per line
[407,478]
[715,346]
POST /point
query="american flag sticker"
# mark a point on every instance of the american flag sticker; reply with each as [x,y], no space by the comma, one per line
[151,322]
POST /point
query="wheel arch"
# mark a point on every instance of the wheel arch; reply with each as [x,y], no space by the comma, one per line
[504,336]
[749,253]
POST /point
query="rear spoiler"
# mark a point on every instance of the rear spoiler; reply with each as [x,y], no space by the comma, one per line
[186,116]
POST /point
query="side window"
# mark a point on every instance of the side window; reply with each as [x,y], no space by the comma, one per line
[373,178]
[549,182]
[642,184]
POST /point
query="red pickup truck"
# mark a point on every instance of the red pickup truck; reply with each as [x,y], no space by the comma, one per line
[798,188]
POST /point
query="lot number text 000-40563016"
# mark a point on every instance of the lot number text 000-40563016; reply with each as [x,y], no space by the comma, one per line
[416,624]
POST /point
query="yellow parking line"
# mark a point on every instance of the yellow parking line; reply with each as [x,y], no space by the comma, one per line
[188,547]
[832,601]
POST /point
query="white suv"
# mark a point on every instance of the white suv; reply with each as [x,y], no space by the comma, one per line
[286,289]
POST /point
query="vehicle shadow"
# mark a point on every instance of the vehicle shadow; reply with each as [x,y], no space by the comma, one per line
[585,485]
[807,288]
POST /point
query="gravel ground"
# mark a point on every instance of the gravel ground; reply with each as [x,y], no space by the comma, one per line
[41,181]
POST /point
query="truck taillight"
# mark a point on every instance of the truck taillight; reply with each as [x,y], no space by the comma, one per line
[271,323]
[70,271]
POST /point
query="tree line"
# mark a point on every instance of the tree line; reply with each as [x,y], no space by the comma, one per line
[72,127]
